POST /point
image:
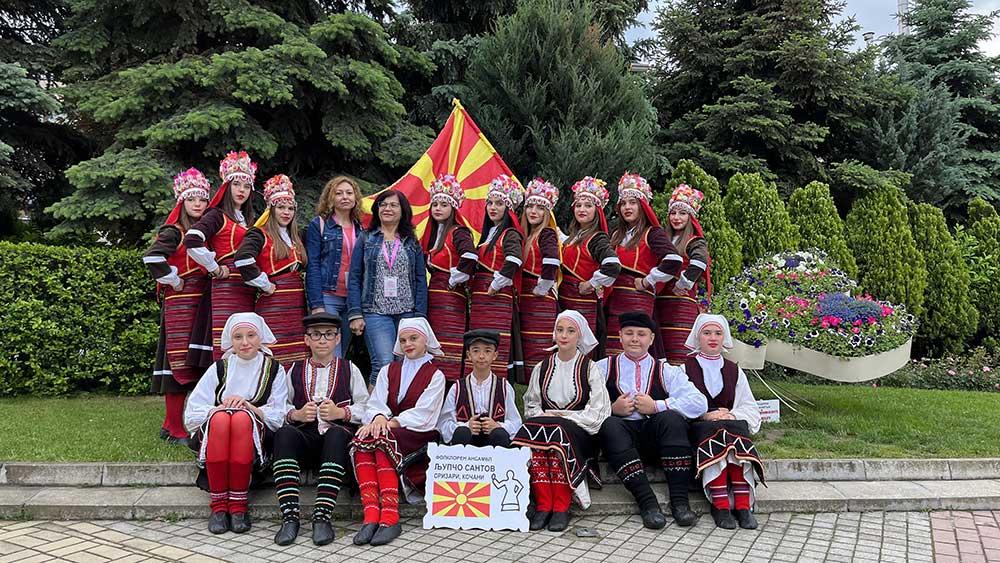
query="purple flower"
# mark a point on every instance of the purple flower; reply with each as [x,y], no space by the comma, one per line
[741,328]
[757,343]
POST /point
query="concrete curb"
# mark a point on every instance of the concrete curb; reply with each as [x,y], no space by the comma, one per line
[778,470]
[128,503]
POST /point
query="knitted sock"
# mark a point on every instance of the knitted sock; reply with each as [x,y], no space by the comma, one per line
[174,418]
[241,454]
[388,487]
[718,492]
[562,491]
[331,475]
[541,483]
[676,462]
[364,469]
[634,478]
[286,488]
[217,461]
[741,489]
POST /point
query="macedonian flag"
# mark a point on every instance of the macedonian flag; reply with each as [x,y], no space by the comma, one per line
[461,499]
[461,150]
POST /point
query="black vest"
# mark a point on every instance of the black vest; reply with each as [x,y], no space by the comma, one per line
[464,405]
[338,390]
[655,389]
[265,381]
[730,375]
[581,371]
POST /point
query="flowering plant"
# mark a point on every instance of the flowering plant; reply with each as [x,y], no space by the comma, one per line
[802,298]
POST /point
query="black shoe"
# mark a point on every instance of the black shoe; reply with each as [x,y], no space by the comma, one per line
[240,523]
[683,515]
[746,519]
[164,433]
[539,520]
[724,519]
[323,532]
[182,441]
[365,534]
[386,534]
[653,519]
[559,521]
[218,522]
[287,533]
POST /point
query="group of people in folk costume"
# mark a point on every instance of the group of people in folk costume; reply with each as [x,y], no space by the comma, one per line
[250,383]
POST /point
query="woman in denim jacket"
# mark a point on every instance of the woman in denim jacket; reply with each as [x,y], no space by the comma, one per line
[388,278]
[329,246]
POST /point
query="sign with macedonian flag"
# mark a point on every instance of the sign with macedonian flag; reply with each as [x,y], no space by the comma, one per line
[469,487]
[461,150]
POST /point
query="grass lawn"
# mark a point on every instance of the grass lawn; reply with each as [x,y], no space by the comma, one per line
[846,421]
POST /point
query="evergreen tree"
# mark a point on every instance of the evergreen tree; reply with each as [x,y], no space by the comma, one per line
[985,234]
[943,49]
[556,100]
[755,209]
[305,92]
[879,236]
[724,242]
[950,317]
[812,210]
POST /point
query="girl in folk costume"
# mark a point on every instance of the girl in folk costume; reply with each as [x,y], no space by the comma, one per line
[399,421]
[451,260]
[213,240]
[269,258]
[497,280]
[645,251]
[184,349]
[328,398]
[329,243]
[589,261]
[564,407]
[727,459]
[537,302]
[677,303]
[233,413]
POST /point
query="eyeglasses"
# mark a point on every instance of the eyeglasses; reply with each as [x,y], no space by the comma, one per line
[328,335]
[389,205]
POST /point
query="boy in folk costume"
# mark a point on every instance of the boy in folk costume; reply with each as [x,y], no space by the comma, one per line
[564,407]
[399,421]
[480,410]
[233,413]
[677,303]
[727,458]
[184,348]
[652,404]
[451,261]
[328,398]
[538,302]
[270,258]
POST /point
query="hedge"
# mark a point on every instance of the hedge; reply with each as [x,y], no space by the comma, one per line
[75,319]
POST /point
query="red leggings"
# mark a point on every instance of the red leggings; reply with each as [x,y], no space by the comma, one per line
[548,482]
[731,477]
[378,482]
[173,419]
[229,460]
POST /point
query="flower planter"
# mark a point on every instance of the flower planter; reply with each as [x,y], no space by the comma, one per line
[838,368]
[747,355]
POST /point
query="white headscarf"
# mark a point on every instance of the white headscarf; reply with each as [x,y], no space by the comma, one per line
[700,323]
[420,325]
[238,320]
[587,340]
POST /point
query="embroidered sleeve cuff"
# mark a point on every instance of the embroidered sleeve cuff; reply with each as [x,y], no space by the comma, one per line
[171,279]
[457,277]
[500,281]
[260,282]
[684,283]
[656,276]
[601,280]
[204,257]
[543,287]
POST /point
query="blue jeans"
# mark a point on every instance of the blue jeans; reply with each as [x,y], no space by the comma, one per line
[380,336]
[337,305]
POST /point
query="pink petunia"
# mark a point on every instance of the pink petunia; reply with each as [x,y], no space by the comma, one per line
[951,372]
[987,369]
[855,330]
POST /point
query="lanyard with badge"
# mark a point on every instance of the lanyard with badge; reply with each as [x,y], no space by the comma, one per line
[390,287]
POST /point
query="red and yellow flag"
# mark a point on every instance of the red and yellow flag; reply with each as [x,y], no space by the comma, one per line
[461,499]
[462,150]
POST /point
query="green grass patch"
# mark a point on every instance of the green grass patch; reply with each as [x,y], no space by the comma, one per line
[846,421]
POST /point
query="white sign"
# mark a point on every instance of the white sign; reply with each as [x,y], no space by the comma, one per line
[770,410]
[469,487]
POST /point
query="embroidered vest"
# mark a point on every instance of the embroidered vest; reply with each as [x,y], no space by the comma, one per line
[577,261]
[265,381]
[446,258]
[338,389]
[225,242]
[654,388]
[417,387]
[270,264]
[179,259]
[639,260]
[581,383]
[730,375]
[465,407]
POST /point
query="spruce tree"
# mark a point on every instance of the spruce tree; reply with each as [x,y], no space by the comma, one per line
[812,210]
[755,210]
[950,317]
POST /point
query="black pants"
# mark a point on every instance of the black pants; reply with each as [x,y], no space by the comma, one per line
[663,436]
[311,449]
[464,437]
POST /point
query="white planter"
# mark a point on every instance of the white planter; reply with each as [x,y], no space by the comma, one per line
[747,356]
[838,368]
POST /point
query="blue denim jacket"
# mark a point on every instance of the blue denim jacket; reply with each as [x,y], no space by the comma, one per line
[323,253]
[361,283]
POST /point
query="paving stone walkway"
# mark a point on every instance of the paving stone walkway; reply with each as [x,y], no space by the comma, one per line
[833,537]
[967,537]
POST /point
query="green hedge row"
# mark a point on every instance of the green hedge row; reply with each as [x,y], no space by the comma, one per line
[75,319]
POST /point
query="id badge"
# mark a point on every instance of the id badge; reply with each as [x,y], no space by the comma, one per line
[391,287]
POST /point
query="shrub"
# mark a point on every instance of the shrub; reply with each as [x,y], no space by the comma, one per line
[813,211]
[755,209]
[75,319]
[985,232]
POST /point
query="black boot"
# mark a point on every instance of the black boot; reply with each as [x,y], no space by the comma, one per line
[218,522]
[746,519]
[164,433]
[723,519]
[683,515]
[323,532]
[539,520]
[287,533]
[365,534]
[653,519]
[386,534]
[182,441]
[559,521]
[240,523]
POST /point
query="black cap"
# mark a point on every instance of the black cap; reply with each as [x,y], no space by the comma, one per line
[481,335]
[635,318]
[322,318]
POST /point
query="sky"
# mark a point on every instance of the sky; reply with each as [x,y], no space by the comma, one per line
[878,16]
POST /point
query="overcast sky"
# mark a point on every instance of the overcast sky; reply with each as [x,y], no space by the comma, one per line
[873,15]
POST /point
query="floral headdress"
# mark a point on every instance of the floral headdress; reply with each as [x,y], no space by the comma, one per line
[634,185]
[237,165]
[448,189]
[191,183]
[687,198]
[593,188]
[508,189]
[541,193]
[278,188]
